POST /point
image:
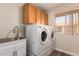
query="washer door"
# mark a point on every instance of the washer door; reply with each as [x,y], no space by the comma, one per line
[43,38]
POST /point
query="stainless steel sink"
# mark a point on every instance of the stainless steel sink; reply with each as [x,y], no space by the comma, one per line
[8,40]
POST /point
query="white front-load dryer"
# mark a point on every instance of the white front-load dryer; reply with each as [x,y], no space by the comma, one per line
[37,39]
[52,37]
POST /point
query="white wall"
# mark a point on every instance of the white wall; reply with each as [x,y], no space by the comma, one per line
[10,15]
[66,43]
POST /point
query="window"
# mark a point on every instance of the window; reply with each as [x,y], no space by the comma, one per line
[67,23]
[75,23]
[60,24]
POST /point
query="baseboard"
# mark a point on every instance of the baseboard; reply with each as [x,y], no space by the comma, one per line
[70,53]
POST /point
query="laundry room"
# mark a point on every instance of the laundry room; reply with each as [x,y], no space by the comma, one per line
[39,29]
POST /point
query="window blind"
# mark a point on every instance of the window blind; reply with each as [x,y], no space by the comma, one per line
[67,13]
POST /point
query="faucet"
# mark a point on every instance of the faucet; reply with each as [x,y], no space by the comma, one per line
[16,31]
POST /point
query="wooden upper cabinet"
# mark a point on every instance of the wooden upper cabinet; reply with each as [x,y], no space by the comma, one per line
[32,14]
[38,16]
[28,14]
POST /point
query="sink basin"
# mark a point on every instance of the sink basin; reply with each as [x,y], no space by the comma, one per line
[9,39]
[6,40]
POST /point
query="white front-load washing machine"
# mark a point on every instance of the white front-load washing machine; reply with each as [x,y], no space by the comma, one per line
[37,40]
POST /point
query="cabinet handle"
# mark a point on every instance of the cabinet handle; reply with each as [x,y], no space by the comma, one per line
[15,53]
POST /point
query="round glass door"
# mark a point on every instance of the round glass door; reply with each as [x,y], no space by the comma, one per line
[43,36]
[52,35]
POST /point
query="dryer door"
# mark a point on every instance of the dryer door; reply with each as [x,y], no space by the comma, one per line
[43,34]
[52,35]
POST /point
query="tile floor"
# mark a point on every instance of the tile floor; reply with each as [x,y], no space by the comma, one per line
[58,53]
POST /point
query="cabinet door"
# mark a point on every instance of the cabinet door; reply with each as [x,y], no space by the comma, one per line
[28,14]
[21,51]
[42,19]
[31,13]
[21,48]
[38,16]
[45,19]
[6,51]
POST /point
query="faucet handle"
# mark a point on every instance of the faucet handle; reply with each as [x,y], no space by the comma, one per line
[16,31]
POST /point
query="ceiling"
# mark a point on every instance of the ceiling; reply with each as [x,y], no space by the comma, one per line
[47,6]
[44,6]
